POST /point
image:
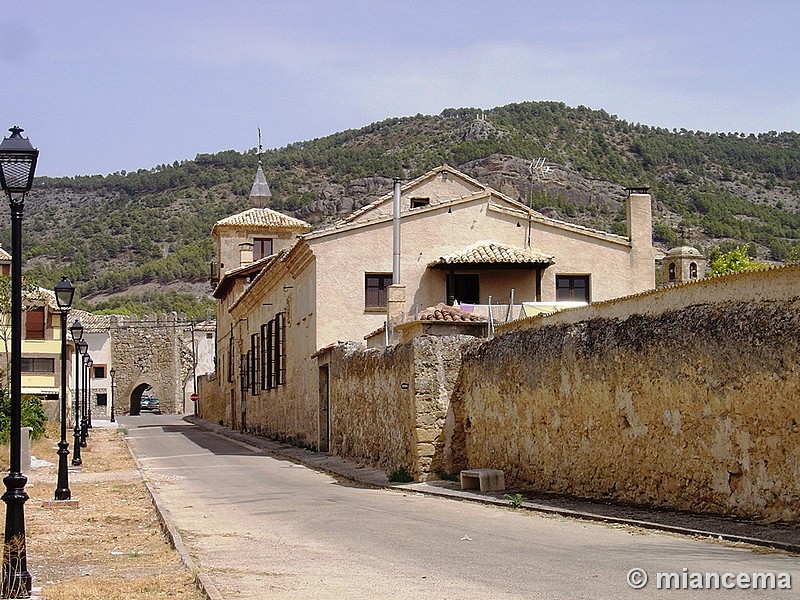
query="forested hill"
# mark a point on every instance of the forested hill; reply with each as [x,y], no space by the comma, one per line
[133,232]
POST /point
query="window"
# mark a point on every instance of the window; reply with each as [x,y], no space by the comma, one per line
[262,247]
[270,378]
[38,365]
[230,358]
[375,284]
[273,352]
[465,289]
[243,373]
[255,378]
[98,371]
[263,355]
[5,269]
[280,349]
[420,202]
[572,288]
[102,399]
[34,324]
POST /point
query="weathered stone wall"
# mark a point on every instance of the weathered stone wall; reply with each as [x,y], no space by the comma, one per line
[688,397]
[389,407]
[211,406]
[371,415]
[695,408]
[149,352]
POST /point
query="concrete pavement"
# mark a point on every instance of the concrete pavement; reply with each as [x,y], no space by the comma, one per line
[720,528]
[727,529]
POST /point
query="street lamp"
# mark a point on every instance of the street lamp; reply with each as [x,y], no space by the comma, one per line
[113,373]
[65,292]
[76,330]
[89,364]
[17,166]
[83,347]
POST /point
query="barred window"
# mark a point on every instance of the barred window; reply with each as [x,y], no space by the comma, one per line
[254,364]
[273,352]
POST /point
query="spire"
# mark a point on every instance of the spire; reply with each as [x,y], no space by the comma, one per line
[259,193]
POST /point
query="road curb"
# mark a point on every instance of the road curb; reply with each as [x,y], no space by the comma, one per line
[201,580]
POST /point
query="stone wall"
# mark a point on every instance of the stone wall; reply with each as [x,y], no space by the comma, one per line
[210,406]
[151,352]
[389,407]
[692,404]
[686,397]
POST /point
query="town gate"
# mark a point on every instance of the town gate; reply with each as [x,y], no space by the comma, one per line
[158,352]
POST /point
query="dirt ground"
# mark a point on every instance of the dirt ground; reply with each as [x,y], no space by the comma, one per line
[111,547]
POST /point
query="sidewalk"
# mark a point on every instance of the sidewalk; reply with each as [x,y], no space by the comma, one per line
[720,528]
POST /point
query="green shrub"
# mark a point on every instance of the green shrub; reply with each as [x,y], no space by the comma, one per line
[400,475]
[33,416]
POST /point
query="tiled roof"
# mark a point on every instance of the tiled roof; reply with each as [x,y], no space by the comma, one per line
[443,312]
[493,252]
[262,217]
[4,255]
[91,322]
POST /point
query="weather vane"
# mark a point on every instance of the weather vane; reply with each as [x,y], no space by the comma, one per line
[259,145]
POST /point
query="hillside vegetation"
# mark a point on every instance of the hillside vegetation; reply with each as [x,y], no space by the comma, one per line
[129,233]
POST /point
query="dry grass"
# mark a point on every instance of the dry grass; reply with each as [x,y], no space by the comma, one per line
[109,548]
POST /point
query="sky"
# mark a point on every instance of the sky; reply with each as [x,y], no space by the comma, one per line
[102,86]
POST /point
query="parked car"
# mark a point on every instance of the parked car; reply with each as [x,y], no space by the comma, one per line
[150,403]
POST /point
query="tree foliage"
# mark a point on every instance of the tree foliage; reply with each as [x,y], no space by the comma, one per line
[732,261]
[33,415]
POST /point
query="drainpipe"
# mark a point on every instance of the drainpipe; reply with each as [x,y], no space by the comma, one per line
[396,233]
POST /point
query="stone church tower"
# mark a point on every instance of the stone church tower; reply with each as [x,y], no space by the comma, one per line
[682,264]
[254,234]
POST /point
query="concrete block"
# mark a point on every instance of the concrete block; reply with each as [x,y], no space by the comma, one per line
[25,448]
[486,480]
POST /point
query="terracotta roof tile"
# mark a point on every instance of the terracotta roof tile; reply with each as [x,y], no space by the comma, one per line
[443,312]
[262,217]
[493,252]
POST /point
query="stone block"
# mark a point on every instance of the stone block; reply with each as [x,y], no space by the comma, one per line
[486,480]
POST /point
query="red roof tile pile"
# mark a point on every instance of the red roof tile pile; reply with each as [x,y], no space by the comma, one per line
[442,312]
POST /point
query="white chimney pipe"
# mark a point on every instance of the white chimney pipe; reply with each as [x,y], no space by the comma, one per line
[396,233]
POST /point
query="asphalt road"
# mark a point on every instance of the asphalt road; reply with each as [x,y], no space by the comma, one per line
[263,527]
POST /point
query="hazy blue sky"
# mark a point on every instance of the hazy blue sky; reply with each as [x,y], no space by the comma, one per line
[103,85]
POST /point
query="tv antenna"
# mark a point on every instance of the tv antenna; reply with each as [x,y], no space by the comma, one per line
[538,167]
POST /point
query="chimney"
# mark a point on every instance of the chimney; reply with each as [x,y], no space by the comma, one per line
[640,234]
[640,216]
[245,253]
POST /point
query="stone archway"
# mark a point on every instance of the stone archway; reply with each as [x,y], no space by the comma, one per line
[135,405]
[151,353]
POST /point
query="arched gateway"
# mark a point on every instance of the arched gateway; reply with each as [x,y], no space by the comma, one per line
[154,357]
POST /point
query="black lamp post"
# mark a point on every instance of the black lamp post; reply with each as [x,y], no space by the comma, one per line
[89,364]
[76,330]
[65,292]
[17,166]
[112,372]
[83,347]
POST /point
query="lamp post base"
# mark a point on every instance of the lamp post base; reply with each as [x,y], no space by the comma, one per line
[62,489]
[76,457]
[16,578]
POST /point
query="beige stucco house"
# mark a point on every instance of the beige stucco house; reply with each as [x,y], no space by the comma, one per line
[460,241]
